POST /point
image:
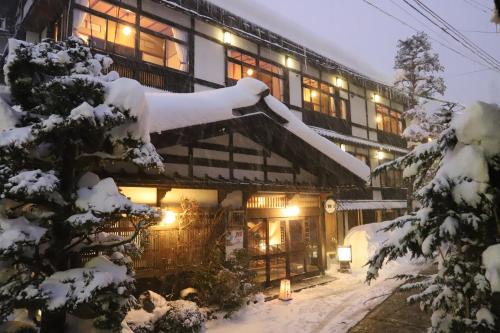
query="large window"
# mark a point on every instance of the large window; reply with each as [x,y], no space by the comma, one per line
[321,97]
[163,45]
[391,178]
[240,65]
[388,121]
[113,28]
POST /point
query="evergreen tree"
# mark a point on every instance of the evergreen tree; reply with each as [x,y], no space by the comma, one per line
[418,69]
[70,119]
[457,182]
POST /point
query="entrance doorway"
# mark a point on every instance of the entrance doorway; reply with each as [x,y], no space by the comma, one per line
[283,247]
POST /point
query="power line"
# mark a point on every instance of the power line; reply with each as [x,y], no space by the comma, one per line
[480,31]
[434,39]
[479,3]
[473,4]
[453,33]
[458,33]
[469,72]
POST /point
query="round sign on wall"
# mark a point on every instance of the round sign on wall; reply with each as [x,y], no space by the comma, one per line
[330,206]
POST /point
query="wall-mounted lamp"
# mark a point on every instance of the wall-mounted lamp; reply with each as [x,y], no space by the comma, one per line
[227,37]
[342,146]
[289,62]
[291,211]
[339,82]
[344,254]
[380,155]
[249,72]
[169,217]
[376,98]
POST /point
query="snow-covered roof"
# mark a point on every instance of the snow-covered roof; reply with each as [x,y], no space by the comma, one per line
[170,111]
[335,135]
[370,204]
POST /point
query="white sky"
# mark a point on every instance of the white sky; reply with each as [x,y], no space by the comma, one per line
[367,38]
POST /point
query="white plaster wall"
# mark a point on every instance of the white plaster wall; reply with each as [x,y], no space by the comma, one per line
[208,29]
[372,123]
[211,154]
[359,132]
[275,159]
[201,171]
[294,81]
[209,62]
[221,139]
[358,110]
[250,174]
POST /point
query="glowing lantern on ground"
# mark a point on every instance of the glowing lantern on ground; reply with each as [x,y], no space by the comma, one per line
[344,254]
[285,290]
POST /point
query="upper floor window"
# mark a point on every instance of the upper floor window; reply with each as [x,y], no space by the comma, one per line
[114,29]
[321,97]
[388,120]
[240,65]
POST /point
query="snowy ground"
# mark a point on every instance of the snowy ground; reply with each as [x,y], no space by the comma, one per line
[334,307]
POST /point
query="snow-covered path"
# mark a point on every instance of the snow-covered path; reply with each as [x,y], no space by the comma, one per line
[334,307]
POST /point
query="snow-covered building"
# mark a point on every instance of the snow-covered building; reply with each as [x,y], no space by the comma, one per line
[271,153]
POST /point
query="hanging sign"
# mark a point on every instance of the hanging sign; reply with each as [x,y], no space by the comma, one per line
[330,206]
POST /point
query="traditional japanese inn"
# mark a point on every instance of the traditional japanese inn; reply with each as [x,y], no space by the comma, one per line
[271,134]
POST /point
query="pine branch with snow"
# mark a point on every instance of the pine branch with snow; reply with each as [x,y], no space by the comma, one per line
[71,119]
[457,183]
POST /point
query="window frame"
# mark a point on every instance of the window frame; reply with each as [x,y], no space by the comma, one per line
[393,118]
[332,92]
[258,70]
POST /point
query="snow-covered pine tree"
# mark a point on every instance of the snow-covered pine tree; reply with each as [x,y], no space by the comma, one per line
[418,69]
[69,119]
[457,182]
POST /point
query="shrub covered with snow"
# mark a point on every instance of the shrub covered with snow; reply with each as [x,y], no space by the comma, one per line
[158,315]
[70,119]
[457,182]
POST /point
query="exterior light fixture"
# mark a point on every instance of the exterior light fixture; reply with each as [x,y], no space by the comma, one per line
[285,290]
[429,139]
[168,217]
[342,146]
[292,211]
[127,31]
[314,94]
[378,119]
[376,98]
[380,155]
[339,82]
[344,254]
[289,62]
[227,37]
[249,72]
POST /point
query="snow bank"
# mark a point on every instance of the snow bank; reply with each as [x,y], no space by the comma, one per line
[365,241]
[170,111]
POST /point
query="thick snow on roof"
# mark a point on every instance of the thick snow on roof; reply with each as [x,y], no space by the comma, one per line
[170,111]
[310,38]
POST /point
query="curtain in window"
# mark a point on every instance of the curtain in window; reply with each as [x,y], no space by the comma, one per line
[181,50]
[79,17]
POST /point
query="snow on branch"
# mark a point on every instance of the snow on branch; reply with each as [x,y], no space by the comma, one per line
[17,233]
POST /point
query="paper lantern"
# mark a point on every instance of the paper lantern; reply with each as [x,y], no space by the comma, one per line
[285,290]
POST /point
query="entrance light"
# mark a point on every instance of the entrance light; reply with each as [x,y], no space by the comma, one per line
[285,290]
[291,211]
[168,217]
[344,254]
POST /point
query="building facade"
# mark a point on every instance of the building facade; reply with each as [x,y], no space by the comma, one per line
[188,46]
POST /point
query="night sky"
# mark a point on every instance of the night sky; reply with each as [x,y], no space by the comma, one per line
[360,36]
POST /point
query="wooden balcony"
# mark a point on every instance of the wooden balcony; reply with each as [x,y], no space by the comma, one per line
[318,119]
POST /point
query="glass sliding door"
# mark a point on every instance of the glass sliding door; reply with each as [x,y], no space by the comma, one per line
[283,247]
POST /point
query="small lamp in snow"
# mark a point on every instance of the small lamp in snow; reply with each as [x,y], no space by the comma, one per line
[344,254]
[285,290]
